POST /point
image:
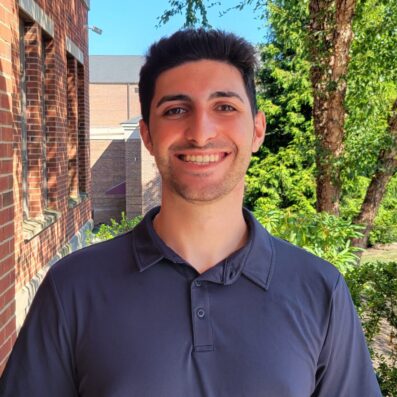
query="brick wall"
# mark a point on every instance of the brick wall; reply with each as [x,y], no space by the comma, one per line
[150,180]
[133,198]
[109,104]
[143,182]
[30,238]
[7,259]
[108,170]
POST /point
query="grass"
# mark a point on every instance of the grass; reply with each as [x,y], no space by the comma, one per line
[384,253]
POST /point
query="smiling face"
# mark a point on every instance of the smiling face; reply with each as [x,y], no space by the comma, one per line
[201,130]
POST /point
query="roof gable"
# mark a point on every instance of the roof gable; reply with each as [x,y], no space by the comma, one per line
[115,68]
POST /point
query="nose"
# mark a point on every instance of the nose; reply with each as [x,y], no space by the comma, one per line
[201,128]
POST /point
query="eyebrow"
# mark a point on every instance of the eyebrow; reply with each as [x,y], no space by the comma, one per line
[226,94]
[169,98]
[186,98]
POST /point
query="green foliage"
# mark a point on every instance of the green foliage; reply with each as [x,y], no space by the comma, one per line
[281,180]
[193,9]
[371,86]
[282,175]
[107,232]
[374,291]
[385,227]
[284,88]
[322,234]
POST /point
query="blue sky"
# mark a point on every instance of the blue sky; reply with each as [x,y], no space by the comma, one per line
[129,26]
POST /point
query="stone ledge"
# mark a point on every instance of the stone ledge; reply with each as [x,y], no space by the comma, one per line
[75,201]
[33,227]
[24,297]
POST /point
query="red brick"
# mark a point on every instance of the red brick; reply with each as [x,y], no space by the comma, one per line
[4,84]
[6,231]
[4,251]
[6,315]
[24,259]
[5,117]
[5,29]
[5,150]
[5,349]
[6,134]
[5,102]
[7,199]
[6,264]
[4,183]
[6,215]
[6,66]
[5,50]
[7,296]
[9,6]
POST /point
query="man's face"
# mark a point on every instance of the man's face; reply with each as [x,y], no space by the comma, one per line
[201,130]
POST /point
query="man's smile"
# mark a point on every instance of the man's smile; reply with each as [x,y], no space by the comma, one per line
[204,158]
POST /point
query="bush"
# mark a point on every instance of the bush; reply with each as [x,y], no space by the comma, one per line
[106,232]
[374,291]
[324,235]
[385,227]
[384,230]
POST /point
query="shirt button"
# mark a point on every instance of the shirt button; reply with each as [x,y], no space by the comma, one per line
[197,283]
[200,313]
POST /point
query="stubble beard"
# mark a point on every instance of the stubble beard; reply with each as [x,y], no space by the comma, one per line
[205,193]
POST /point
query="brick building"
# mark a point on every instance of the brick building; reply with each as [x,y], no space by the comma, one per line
[124,175]
[44,147]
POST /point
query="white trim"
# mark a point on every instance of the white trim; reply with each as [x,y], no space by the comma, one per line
[107,133]
[74,50]
[132,132]
[24,297]
[38,15]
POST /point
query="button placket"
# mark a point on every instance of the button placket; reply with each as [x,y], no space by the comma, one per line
[201,320]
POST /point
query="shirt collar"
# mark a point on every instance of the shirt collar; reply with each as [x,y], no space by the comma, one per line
[255,260]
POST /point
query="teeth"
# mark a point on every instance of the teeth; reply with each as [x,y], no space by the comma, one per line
[205,159]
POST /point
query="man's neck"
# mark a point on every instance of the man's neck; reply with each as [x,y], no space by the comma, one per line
[202,234]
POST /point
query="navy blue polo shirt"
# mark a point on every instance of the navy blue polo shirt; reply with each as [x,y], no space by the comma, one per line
[129,317]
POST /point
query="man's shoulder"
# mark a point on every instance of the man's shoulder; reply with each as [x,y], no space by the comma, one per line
[96,260]
[297,263]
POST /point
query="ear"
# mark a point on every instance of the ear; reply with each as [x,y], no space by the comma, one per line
[145,135]
[259,131]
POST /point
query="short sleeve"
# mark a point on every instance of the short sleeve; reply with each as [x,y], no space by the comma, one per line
[41,363]
[344,367]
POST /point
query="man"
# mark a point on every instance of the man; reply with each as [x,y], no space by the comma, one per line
[198,300]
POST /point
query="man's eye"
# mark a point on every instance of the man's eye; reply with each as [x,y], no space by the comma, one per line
[226,108]
[174,111]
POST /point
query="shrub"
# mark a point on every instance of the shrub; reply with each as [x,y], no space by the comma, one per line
[106,232]
[385,228]
[373,286]
[324,235]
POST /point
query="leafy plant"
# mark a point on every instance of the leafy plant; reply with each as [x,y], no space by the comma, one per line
[373,286]
[325,235]
[385,228]
[106,232]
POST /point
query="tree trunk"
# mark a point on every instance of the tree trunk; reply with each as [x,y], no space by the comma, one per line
[386,167]
[330,38]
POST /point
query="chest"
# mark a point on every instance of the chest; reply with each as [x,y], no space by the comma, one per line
[204,340]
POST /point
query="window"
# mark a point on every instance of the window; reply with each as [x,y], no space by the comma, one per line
[77,144]
[34,67]
[24,139]
[44,174]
